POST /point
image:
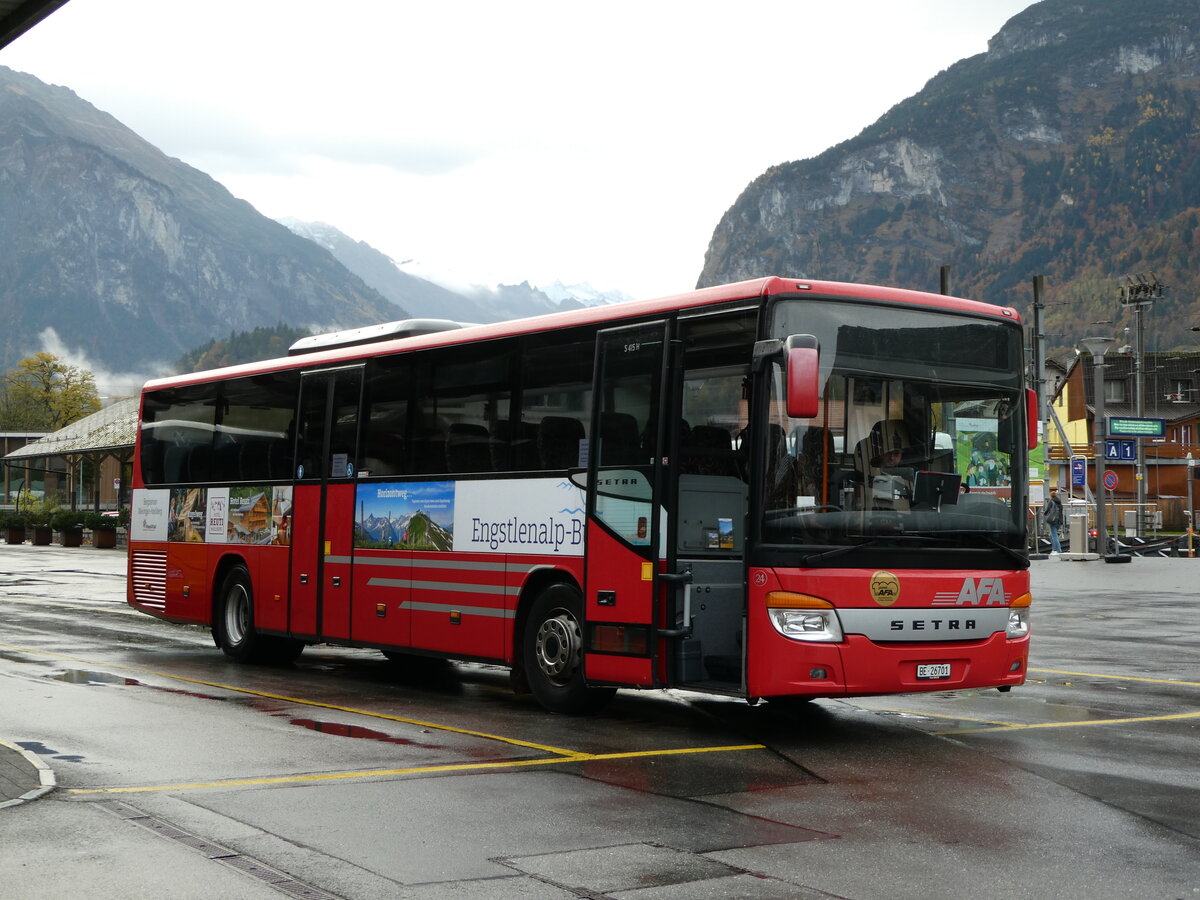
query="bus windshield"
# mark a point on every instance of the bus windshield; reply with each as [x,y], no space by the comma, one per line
[919,437]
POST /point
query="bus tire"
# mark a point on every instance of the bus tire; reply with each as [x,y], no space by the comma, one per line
[233,621]
[552,652]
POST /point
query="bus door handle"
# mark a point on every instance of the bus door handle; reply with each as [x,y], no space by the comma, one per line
[337,580]
[680,578]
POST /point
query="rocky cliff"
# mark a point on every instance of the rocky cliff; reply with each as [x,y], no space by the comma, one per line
[1067,149]
[134,257]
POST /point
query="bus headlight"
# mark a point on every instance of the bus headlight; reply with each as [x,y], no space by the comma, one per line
[803,618]
[1018,617]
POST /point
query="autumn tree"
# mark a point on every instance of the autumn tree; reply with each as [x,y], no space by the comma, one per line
[45,394]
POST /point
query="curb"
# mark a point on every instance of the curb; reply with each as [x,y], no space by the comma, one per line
[45,775]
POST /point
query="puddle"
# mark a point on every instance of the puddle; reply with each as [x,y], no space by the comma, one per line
[80,676]
[357,731]
[42,750]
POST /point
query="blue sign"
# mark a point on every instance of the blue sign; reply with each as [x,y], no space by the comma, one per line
[1078,471]
[1110,480]
[1119,450]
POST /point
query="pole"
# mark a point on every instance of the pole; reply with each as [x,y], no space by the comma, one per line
[1140,397]
[1191,472]
[1097,346]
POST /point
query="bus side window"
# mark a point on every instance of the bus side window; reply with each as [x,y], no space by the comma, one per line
[385,409]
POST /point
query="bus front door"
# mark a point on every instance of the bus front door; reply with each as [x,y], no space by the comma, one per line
[625,540]
[323,503]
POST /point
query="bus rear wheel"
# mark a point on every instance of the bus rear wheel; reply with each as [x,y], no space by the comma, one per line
[233,625]
[552,653]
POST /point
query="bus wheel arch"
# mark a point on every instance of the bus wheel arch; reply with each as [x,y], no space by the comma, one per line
[233,610]
[233,619]
[549,635]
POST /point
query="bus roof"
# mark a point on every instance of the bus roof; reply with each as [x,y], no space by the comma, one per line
[637,309]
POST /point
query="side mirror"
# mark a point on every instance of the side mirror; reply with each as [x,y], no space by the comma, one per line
[803,376]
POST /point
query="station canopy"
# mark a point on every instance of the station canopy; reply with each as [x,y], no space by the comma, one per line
[109,432]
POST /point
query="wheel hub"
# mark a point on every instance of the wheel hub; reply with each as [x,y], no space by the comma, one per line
[558,645]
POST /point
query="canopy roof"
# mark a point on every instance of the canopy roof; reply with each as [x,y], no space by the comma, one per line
[111,431]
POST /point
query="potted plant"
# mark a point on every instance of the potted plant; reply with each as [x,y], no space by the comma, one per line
[104,528]
[38,519]
[69,524]
[14,527]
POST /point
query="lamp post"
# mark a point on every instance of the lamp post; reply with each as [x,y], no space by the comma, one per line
[1097,347]
[1191,473]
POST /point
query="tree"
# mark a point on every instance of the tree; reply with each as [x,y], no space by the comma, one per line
[45,394]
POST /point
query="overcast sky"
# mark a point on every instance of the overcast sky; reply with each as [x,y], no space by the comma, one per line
[498,142]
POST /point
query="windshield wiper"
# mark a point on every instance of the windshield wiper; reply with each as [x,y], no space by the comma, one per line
[871,542]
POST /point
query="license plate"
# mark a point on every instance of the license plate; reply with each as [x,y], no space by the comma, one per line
[934,670]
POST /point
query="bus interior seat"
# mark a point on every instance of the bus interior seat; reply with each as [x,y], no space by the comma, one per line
[620,444]
[708,451]
[174,459]
[468,448]
[781,470]
[200,464]
[514,447]
[814,460]
[558,442]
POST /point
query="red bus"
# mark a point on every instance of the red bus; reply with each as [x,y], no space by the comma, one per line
[774,489]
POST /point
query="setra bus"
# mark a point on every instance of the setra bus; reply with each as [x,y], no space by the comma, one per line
[779,489]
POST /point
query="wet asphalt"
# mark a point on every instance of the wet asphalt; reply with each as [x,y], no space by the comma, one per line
[177,773]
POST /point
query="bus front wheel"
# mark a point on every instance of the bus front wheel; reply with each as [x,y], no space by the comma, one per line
[553,653]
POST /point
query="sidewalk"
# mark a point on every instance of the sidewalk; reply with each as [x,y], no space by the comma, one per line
[23,776]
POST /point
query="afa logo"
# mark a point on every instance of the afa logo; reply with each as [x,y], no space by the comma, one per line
[885,588]
[981,592]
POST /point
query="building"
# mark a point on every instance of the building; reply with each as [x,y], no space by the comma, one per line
[85,465]
[1171,392]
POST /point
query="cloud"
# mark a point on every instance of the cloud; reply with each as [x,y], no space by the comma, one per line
[110,385]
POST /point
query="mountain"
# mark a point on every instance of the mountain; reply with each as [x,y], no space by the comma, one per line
[134,257]
[426,299]
[1068,149]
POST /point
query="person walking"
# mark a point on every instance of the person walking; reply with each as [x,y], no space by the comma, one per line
[1052,515]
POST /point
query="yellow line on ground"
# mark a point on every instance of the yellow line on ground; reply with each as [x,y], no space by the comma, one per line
[929,715]
[1021,727]
[544,748]
[413,770]
[1118,677]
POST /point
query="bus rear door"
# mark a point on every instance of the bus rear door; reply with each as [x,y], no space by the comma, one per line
[323,503]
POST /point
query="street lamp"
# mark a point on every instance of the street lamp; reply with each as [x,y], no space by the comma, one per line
[1191,474]
[1097,347]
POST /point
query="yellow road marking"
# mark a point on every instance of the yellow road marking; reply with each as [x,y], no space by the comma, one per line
[1021,727]
[544,748]
[1118,677]
[560,754]
[929,715]
[413,770]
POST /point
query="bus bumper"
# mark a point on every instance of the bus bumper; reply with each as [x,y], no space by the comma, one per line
[859,666]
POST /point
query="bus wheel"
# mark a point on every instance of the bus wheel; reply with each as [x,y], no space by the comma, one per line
[553,653]
[233,624]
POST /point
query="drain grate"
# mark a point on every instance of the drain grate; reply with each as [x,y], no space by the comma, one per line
[280,881]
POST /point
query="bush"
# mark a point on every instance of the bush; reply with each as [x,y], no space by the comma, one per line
[67,520]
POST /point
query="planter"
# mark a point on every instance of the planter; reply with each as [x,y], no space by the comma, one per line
[15,534]
[104,539]
[42,535]
[72,537]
